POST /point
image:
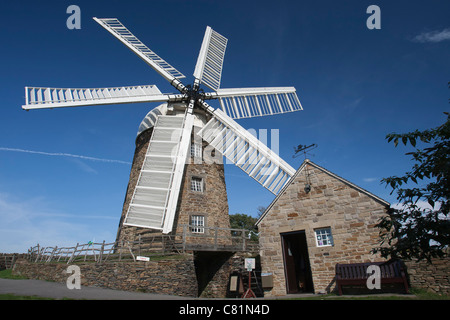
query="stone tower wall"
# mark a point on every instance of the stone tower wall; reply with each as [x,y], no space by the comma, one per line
[212,203]
[127,233]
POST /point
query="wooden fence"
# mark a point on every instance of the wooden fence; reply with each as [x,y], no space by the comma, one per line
[193,238]
[7,260]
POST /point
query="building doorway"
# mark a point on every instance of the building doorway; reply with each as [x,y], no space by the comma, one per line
[297,268]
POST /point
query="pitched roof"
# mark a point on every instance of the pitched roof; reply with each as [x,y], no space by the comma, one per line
[307,161]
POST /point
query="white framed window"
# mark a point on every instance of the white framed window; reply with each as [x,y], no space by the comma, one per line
[324,238]
[196,150]
[197,222]
[196,184]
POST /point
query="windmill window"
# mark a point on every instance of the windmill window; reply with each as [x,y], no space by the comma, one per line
[197,222]
[324,238]
[196,150]
[197,184]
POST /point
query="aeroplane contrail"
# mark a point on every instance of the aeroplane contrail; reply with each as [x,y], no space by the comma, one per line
[64,155]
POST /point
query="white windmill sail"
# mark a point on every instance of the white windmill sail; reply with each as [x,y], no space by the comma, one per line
[208,69]
[41,98]
[155,197]
[154,201]
[255,102]
[178,171]
[246,152]
[118,30]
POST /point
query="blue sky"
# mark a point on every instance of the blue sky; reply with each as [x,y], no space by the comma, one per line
[64,173]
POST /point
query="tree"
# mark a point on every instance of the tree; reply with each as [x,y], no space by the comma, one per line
[244,221]
[414,231]
[259,211]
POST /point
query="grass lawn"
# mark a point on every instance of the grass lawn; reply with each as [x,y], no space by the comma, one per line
[7,274]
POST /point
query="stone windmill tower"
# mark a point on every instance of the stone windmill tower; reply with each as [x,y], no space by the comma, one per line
[175,177]
[202,199]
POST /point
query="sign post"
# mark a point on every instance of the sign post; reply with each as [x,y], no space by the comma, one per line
[249,265]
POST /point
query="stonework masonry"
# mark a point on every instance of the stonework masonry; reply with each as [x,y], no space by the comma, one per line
[204,274]
[350,212]
[212,202]
[127,233]
[171,277]
[433,277]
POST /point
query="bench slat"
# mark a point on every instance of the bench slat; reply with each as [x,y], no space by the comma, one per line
[356,273]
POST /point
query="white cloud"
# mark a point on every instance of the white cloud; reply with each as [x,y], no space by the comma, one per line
[421,204]
[370,179]
[353,104]
[83,166]
[433,36]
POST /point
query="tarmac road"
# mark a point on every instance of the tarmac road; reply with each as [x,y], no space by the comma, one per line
[59,291]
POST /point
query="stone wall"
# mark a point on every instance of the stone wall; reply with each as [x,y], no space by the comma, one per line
[170,276]
[127,233]
[212,203]
[434,277]
[204,274]
[332,202]
[214,270]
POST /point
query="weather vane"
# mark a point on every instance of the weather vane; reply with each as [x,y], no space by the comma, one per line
[304,149]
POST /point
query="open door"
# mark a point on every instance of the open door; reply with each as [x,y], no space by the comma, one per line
[296,263]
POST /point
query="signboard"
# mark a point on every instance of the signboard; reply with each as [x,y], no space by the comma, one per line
[141,258]
[249,264]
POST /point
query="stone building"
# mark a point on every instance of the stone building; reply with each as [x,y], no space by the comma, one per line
[317,220]
[203,198]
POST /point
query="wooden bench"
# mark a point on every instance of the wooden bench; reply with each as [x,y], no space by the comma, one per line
[356,274]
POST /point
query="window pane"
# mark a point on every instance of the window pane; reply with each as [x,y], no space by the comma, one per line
[196,150]
[196,223]
[324,237]
[197,184]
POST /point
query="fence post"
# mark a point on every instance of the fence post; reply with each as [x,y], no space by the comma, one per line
[215,237]
[13,260]
[52,254]
[100,256]
[37,254]
[163,240]
[120,250]
[129,248]
[42,253]
[85,253]
[184,238]
[73,254]
[139,245]
[243,239]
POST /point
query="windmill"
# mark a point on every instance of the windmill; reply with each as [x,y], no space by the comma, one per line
[154,201]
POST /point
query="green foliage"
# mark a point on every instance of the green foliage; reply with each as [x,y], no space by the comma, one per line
[7,274]
[414,232]
[244,221]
